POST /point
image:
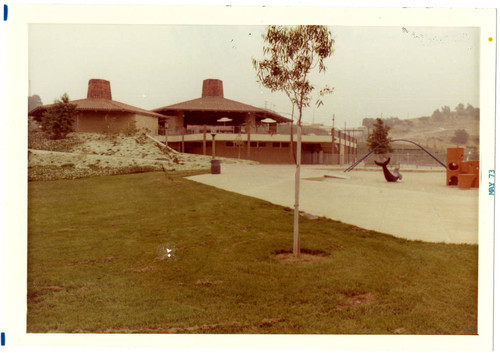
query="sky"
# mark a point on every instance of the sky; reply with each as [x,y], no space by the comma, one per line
[404,72]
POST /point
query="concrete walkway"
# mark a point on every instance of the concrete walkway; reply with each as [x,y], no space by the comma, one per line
[420,207]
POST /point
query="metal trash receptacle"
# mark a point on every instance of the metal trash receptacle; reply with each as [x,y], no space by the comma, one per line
[215,169]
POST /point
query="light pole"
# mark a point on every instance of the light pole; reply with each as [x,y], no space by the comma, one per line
[215,163]
[213,133]
[239,142]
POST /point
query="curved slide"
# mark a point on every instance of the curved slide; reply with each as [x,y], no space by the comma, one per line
[383,143]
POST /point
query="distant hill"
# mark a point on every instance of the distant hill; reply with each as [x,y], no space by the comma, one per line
[437,132]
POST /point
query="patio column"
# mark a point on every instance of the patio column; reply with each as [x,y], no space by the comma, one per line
[248,140]
[204,140]
[250,125]
[182,146]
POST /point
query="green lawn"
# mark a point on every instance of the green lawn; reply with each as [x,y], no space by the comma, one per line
[93,266]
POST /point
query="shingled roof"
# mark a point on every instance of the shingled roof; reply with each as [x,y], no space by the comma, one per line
[212,105]
[99,100]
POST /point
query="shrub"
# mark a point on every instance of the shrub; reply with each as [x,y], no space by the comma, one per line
[58,119]
[131,129]
[461,137]
[42,141]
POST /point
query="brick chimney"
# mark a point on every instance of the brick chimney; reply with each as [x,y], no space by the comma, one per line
[99,89]
[212,88]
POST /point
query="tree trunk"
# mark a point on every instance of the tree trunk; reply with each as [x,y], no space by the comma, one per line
[296,237]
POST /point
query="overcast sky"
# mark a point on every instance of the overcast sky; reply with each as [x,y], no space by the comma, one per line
[376,71]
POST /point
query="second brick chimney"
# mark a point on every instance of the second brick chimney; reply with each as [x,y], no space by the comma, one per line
[100,89]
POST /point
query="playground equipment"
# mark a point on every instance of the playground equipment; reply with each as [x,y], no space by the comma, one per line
[464,174]
[384,143]
[390,177]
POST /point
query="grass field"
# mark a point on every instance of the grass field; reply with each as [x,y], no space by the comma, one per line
[94,266]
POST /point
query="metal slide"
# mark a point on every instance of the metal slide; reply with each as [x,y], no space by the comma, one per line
[383,143]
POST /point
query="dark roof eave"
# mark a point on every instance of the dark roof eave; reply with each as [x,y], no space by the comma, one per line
[200,105]
[41,109]
[275,116]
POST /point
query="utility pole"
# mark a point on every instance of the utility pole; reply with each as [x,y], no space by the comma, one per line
[333,137]
[346,151]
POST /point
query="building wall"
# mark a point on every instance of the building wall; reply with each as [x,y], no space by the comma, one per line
[102,122]
[267,148]
[258,151]
[264,152]
[175,125]
[147,122]
[114,122]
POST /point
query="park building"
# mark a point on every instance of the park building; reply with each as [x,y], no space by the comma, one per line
[212,125]
[100,113]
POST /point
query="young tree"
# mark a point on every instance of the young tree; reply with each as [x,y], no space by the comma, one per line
[58,119]
[291,55]
[379,135]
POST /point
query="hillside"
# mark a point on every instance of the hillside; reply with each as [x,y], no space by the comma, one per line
[434,133]
[437,133]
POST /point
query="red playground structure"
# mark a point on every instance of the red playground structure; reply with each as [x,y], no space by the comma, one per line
[464,174]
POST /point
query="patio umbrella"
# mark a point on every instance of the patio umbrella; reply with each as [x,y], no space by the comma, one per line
[224,120]
[268,121]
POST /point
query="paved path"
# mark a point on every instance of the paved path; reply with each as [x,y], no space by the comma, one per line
[420,207]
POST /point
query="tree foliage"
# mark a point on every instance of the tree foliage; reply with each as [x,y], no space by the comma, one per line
[391,122]
[460,111]
[461,137]
[291,54]
[34,101]
[379,135]
[59,118]
[437,115]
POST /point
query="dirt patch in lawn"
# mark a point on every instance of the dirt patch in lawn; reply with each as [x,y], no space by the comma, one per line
[354,300]
[359,299]
[304,256]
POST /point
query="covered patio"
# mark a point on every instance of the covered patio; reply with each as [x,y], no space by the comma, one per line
[213,110]
[239,130]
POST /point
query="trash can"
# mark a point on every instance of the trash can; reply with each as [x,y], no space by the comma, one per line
[215,166]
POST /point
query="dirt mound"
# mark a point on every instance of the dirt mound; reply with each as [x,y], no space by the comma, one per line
[93,154]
